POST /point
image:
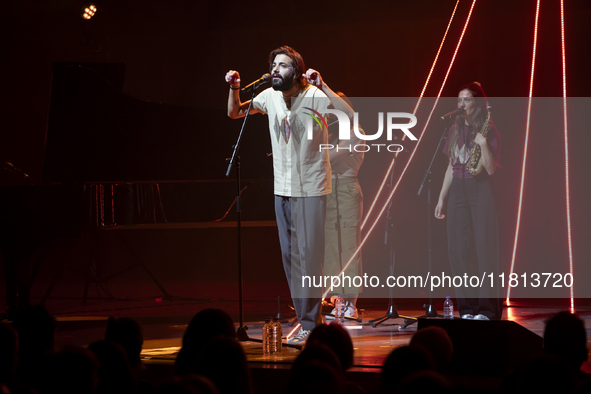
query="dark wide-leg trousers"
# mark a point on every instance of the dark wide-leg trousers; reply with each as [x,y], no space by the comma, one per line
[300,223]
[471,207]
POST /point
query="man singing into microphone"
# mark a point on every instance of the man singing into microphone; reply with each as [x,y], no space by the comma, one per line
[301,170]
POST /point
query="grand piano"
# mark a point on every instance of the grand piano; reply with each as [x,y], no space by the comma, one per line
[145,162]
[116,162]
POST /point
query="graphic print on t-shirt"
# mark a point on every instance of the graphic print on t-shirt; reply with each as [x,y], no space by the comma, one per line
[285,129]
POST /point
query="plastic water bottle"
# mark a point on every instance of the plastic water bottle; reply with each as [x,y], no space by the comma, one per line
[266,336]
[275,337]
[448,308]
[339,306]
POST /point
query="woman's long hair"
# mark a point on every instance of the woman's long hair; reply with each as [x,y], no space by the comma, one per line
[478,120]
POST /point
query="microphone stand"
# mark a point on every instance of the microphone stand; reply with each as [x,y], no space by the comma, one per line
[430,310]
[234,161]
[391,313]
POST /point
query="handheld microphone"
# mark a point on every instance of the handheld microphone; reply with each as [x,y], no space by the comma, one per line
[451,114]
[265,78]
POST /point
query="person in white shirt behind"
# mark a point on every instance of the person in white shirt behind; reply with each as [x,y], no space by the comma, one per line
[344,215]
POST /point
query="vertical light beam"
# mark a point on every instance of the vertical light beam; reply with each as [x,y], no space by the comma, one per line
[531,87]
[566,164]
[414,113]
[413,152]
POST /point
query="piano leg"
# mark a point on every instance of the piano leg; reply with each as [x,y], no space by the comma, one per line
[17,263]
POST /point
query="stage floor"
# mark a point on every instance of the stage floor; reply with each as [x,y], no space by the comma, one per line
[164,323]
[136,269]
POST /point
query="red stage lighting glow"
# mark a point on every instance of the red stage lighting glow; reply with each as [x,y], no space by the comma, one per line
[413,152]
[435,61]
[414,113]
[531,87]
[510,313]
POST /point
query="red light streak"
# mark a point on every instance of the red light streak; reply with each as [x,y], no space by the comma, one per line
[413,152]
[531,87]
[566,163]
[294,329]
[414,113]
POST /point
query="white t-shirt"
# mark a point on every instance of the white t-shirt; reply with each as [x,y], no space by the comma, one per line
[301,169]
[348,166]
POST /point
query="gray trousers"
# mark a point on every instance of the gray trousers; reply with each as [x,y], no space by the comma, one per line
[300,223]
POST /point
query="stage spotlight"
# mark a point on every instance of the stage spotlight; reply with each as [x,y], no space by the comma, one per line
[88,11]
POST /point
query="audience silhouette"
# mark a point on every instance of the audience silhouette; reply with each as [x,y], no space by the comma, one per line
[114,374]
[211,361]
[204,326]
[565,337]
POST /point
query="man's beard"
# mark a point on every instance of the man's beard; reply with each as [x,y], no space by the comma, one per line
[282,85]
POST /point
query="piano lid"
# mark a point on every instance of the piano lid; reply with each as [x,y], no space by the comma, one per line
[96,133]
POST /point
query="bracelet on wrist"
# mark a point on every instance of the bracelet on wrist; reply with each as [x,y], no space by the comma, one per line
[233,88]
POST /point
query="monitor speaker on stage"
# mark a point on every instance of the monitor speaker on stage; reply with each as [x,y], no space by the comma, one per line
[487,348]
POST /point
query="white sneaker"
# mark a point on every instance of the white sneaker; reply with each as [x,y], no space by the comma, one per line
[468,317]
[481,317]
[300,338]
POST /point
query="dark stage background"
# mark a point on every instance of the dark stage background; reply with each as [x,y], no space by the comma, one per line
[177,52]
